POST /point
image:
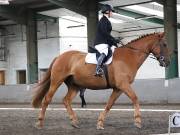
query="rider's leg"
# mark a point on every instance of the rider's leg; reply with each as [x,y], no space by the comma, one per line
[99,70]
[103,50]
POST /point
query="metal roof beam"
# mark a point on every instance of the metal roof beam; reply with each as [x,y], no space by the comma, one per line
[50,7]
[139,3]
[160,1]
[13,13]
[71,5]
[46,18]
[138,15]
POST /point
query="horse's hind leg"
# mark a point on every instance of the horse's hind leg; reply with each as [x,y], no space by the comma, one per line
[47,99]
[115,94]
[72,92]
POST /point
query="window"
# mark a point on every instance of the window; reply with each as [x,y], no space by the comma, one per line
[2,77]
[21,77]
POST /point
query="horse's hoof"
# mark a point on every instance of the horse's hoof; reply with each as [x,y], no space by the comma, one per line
[100,127]
[138,125]
[38,125]
[75,124]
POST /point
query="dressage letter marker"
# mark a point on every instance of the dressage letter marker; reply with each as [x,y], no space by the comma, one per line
[174,121]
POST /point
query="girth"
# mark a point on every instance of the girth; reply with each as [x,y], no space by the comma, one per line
[105,69]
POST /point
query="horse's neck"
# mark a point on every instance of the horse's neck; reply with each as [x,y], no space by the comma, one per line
[143,47]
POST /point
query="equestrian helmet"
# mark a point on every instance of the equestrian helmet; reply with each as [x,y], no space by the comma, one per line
[106,7]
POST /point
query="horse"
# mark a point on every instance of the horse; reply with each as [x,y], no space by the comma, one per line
[81,95]
[71,68]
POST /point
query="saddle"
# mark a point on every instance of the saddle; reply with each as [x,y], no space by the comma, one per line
[93,55]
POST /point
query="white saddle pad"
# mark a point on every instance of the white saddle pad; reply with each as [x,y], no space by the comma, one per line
[91,57]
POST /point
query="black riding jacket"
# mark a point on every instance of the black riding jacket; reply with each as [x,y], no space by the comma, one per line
[103,33]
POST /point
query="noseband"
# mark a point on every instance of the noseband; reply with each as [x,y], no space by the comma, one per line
[160,57]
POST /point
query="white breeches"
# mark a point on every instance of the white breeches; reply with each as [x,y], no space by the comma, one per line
[102,48]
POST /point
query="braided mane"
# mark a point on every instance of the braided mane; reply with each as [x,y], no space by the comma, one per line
[143,36]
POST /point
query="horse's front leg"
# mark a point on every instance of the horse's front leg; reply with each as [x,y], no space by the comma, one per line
[72,92]
[115,94]
[83,102]
[126,88]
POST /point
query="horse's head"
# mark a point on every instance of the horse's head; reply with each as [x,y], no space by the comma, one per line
[161,51]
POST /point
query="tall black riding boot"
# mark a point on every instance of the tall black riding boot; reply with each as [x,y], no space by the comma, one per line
[99,70]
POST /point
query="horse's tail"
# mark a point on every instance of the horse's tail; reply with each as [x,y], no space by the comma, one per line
[42,88]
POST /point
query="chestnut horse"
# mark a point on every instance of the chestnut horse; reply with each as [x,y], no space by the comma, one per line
[70,67]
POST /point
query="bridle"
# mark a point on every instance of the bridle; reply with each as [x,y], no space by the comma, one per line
[159,57]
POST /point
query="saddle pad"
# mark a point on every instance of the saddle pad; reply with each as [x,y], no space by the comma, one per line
[91,58]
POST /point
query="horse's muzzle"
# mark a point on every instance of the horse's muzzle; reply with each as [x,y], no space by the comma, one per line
[164,62]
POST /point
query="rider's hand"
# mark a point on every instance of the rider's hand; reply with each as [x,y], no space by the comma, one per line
[117,41]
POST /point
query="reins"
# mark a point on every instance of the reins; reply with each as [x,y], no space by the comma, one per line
[130,47]
[140,50]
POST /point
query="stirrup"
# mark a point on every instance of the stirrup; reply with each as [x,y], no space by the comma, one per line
[100,72]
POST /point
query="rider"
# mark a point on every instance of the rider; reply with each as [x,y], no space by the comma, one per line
[103,39]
